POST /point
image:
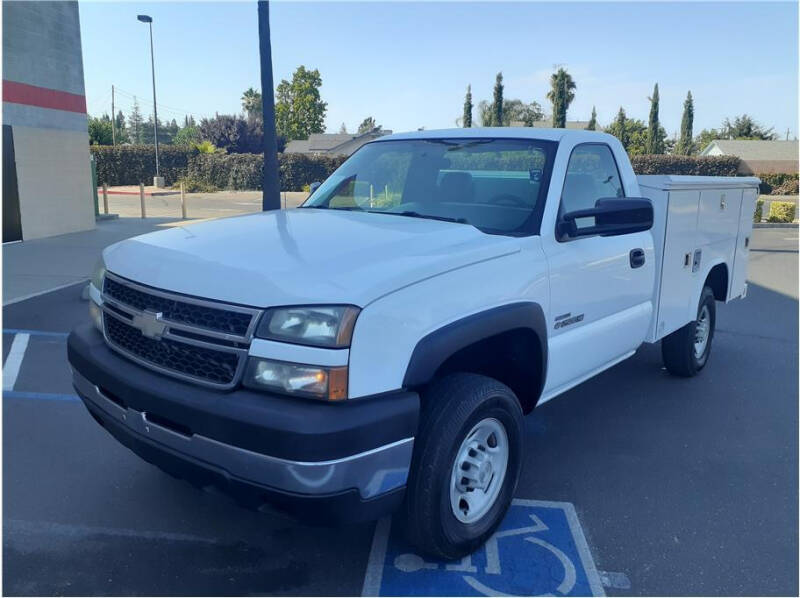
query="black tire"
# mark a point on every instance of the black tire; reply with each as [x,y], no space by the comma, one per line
[453,405]
[678,348]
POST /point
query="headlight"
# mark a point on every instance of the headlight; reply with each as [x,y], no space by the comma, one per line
[329,383]
[99,274]
[320,326]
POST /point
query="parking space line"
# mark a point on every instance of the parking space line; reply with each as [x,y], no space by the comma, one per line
[14,360]
[374,573]
[35,332]
[39,396]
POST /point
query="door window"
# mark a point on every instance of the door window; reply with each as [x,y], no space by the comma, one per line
[592,174]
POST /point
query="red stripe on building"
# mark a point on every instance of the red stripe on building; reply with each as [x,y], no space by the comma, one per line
[43,97]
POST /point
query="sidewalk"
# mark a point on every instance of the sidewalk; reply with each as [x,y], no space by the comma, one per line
[198,205]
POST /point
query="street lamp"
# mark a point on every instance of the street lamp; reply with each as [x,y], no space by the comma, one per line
[149,20]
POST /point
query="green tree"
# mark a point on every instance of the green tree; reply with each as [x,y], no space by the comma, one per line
[188,121]
[100,130]
[299,109]
[251,103]
[343,129]
[513,111]
[120,130]
[497,104]
[466,120]
[655,133]
[685,145]
[745,127]
[187,136]
[136,124]
[367,125]
[592,126]
[561,94]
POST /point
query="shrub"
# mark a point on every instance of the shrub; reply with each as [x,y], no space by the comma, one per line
[781,183]
[131,165]
[134,164]
[781,211]
[691,165]
[759,213]
[297,170]
[192,185]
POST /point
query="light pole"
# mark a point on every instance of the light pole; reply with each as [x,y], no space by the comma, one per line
[149,20]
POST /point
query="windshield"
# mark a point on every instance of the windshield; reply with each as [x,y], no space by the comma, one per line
[496,185]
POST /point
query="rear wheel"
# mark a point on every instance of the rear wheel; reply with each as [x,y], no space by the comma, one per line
[466,464]
[686,351]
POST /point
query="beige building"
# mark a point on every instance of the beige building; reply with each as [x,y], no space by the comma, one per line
[757,156]
[47,184]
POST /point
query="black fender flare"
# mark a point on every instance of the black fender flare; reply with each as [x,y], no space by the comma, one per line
[436,347]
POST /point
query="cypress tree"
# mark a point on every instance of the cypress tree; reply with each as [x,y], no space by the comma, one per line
[620,128]
[497,119]
[685,145]
[655,139]
[592,126]
[467,119]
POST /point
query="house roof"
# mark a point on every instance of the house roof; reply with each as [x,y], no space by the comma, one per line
[755,150]
[328,142]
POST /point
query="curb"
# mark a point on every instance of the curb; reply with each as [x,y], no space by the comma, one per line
[775,225]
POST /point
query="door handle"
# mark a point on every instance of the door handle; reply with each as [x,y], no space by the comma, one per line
[637,258]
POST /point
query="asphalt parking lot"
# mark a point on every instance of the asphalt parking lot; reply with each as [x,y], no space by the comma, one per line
[678,486]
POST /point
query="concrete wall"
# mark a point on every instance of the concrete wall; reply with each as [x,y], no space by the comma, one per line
[44,102]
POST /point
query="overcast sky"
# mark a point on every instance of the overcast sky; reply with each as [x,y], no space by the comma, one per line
[408,64]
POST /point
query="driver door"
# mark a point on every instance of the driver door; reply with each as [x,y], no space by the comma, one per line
[600,286]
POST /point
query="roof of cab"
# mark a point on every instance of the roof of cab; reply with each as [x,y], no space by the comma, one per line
[492,132]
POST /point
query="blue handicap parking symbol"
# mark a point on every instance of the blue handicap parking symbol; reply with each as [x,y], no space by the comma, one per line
[539,549]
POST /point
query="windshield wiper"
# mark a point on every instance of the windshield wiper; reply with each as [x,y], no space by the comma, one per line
[412,214]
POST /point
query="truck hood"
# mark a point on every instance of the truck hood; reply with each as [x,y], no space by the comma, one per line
[302,256]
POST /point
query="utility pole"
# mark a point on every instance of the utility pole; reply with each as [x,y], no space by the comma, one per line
[271,190]
[113,119]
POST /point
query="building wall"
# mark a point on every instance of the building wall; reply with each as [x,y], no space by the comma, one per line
[44,102]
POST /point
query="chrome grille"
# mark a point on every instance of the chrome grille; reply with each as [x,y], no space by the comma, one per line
[194,339]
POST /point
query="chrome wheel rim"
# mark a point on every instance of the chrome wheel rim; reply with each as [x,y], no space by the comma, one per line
[479,470]
[702,328]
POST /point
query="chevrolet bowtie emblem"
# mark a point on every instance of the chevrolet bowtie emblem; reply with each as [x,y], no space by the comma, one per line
[150,324]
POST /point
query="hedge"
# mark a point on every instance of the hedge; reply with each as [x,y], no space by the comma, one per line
[134,164]
[781,211]
[781,183]
[759,213]
[692,165]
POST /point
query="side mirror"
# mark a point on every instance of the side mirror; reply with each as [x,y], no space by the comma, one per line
[612,216]
[313,187]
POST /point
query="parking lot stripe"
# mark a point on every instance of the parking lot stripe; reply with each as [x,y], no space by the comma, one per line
[39,396]
[35,332]
[14,360]
[374,573]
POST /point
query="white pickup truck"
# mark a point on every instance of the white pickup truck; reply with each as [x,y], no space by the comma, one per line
[377,348]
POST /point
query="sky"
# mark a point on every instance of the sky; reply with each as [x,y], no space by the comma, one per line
[408,64]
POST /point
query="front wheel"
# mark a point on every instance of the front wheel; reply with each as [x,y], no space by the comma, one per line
[466,464]
[686,351]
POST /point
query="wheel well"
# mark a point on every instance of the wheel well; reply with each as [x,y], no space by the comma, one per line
[512,357]
[717,279]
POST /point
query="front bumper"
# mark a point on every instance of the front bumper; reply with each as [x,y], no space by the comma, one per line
[294,453]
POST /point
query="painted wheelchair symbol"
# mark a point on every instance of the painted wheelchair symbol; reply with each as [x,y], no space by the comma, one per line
[409,562]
